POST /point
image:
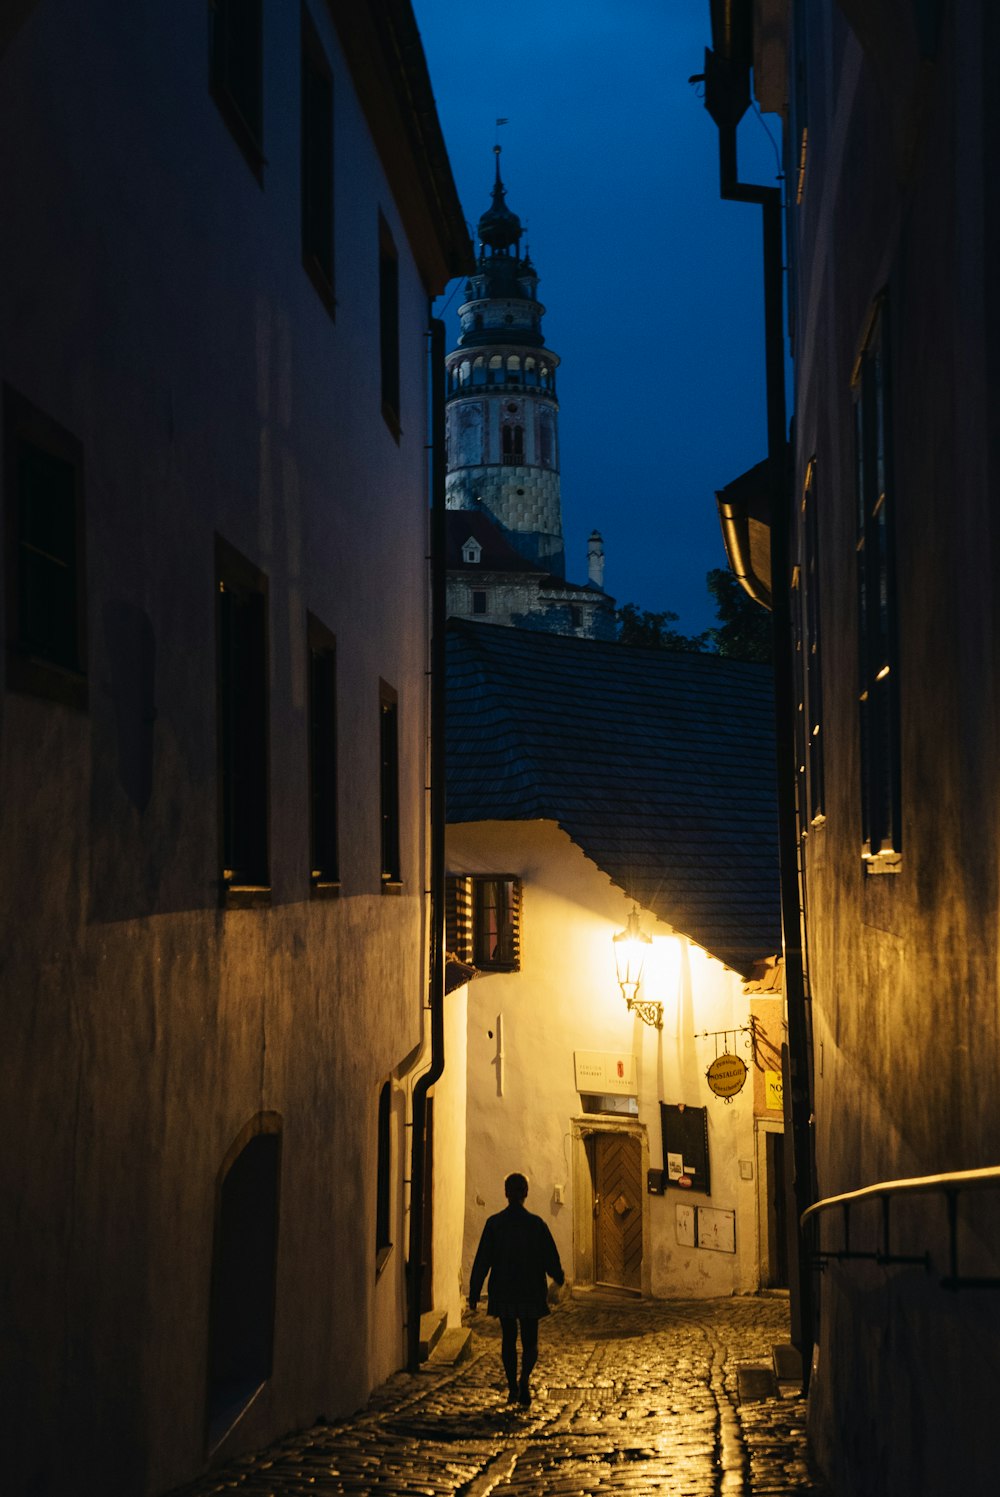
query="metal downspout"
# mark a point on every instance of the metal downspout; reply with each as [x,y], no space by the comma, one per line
[769,199]
[424,1083]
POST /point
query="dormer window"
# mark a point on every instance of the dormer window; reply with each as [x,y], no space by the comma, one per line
[471,552]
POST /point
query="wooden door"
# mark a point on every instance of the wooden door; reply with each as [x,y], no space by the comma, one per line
[617,1167]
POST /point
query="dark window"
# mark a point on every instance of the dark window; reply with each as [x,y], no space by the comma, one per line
[323,864]
[244,1260]
[575,616]
[243,734]
[317,163]
[877,639]
[513,445]
[389,758]
[812,650]
[235,53]
[478,602]
[383,1186]
[388,312]
[546,439]
[483,921]
[46,597]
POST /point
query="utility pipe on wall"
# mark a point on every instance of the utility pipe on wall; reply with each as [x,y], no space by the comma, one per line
[418,1156]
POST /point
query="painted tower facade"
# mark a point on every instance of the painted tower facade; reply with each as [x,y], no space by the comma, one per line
[503,450]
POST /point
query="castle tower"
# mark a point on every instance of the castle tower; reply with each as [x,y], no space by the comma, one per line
[502,412]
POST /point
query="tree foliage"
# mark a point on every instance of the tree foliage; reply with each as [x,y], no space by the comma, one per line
[742,633]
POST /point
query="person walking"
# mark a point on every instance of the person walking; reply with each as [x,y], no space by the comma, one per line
[517,1251]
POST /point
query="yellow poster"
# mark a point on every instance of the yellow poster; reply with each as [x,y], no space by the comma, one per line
[773,1090]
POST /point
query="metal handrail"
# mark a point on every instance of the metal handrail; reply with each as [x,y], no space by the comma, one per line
[951,1185]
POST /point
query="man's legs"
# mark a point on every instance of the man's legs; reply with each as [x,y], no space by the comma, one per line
[529,1356]
[508,1353]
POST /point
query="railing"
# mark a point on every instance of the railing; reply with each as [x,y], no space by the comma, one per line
[950,1185]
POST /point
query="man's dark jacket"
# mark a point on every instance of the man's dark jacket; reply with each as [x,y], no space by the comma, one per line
[517,1251]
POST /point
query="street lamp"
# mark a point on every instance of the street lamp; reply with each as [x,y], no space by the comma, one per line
[631,946]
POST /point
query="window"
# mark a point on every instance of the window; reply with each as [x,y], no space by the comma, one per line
[45,578]
[471,552]
[388,309]
[575,616]
[878,652]
[243,730]
[513,445]
[483,921]
[479,602]
[235,71]
[389,758]
[323,863]
[383,1184]
[546,437]
[812,651]
[244,1263]
[317,163]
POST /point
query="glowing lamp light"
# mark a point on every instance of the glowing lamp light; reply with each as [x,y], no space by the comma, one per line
[631,948]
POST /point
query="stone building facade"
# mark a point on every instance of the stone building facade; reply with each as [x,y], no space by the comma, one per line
[213,732]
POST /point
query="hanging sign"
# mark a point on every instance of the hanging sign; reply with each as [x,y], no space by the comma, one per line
[726,1076]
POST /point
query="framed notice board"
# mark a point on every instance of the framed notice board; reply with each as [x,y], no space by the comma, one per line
[685,1147]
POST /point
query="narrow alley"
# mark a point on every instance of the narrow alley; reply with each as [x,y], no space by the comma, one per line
[630,1396]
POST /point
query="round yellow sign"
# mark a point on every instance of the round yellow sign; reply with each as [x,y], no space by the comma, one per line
[726,1075]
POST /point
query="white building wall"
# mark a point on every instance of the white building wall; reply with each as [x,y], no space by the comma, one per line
[523,1106]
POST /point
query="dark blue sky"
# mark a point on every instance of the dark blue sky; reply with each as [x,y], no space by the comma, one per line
[652,285]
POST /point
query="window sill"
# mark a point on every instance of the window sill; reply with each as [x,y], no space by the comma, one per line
[41,678]
[883,863]
[245,896]
[324,889]
[391,419]
[392,886]
[382,1257]
[322,283]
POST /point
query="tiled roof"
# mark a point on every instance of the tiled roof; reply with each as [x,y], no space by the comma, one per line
[658,764]
[498,555]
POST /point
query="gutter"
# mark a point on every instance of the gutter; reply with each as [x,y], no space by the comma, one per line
[418,1154]
[727,97]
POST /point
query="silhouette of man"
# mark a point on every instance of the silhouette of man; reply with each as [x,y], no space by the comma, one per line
[517,1251]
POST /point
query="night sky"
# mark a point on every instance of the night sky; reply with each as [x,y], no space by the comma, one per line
[652,285]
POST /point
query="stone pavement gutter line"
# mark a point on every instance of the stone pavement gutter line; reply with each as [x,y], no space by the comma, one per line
[636,1397]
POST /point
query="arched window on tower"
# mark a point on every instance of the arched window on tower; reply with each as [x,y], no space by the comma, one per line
[545,376]
[530,372]
[479,372]
[514,369]
[546,438]
[496,369]
[464,375]
[513,446]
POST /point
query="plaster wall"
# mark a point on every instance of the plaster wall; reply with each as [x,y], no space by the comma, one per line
[449,1095]
[154,304]
[524,1111]
[900,196]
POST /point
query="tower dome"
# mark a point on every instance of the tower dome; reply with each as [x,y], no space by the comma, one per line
[499,228]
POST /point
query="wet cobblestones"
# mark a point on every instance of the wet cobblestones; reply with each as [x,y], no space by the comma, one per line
[636,1397]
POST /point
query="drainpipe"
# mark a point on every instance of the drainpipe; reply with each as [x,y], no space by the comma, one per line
[418,1157]
[727,97]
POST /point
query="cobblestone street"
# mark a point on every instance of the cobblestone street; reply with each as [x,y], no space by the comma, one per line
[635,1397]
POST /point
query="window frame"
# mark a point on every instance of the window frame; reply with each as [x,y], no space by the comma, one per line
[465,908]
[878,641]
[388,317]
[29,669]
[323,760]
[389,805]
[250,883]
[317,164]
[247,132]
[383,1178]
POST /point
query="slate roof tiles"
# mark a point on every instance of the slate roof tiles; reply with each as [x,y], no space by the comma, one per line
[658,764]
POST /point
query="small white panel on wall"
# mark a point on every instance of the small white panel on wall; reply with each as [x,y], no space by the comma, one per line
[716,1229]
[605,1075]
[684,1225]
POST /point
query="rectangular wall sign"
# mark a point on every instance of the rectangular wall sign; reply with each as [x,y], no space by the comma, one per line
[605,1074]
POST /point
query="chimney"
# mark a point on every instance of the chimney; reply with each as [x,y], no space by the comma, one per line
[595,559]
